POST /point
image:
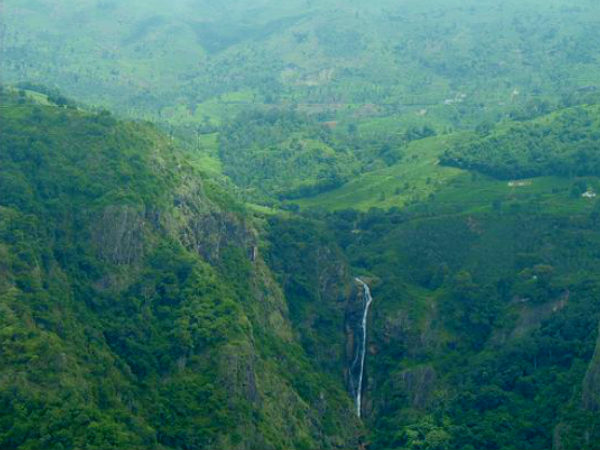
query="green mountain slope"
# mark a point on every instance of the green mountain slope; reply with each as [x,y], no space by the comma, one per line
[135,310]
[549,158]
[138,309]
[563,143]
[414,178]
[194,288]
[283,155]
[484,325]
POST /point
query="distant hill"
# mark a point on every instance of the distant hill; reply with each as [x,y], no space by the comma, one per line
[458,61]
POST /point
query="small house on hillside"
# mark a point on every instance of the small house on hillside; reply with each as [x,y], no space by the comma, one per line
[519,183]
[589,194]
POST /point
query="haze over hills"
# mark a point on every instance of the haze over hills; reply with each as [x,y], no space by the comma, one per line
[183,60]
[197,282]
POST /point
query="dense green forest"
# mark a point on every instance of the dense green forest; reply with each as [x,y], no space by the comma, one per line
[192,194]
[563,144]
[133,312]
[283,155]
[485,328]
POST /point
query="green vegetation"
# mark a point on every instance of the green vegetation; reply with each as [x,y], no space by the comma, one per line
[486,319]
[138,311]
[132,313]
[413,179]
[184,278]
[561,144]
[282,155]
[484,324]
[456,62]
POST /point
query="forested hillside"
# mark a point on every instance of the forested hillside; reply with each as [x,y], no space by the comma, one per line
[456,61]
[564,144]
[138,311]
[200,201]
[135,312]
[484,328]
[282,155]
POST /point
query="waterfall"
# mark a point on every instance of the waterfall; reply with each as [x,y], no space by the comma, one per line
[362,350]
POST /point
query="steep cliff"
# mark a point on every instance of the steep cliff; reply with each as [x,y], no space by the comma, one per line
[136,310]
[579,427]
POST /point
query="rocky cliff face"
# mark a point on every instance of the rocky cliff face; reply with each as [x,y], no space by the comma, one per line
[579,428]
[417,385]
[118,232]
[590,397]
[323,301]
[318,287]
[205,228]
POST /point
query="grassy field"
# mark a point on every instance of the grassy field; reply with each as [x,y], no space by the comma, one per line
[414,178]
[418,179]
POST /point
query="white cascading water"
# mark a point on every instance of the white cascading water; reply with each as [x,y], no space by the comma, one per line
[363,348]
